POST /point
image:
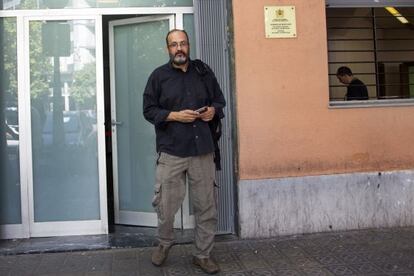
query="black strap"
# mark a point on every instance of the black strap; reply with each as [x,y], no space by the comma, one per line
[215,124]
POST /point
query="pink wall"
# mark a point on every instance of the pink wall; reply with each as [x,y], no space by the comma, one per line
[285,127]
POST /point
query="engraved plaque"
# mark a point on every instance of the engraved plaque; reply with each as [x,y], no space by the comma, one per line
[280,21]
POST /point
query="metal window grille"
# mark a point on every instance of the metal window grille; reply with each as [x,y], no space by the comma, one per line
[376,46]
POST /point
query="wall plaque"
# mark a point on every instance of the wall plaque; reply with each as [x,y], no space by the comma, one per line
[280,21]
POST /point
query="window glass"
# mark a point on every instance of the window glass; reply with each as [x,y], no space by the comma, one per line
[377,45]
[189,28]
[61,4]
[10,208]
[63,120]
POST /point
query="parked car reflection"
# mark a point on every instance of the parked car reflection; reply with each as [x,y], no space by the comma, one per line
[78,130]
[11,126]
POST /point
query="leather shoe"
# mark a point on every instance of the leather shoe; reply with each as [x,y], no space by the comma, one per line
[206,264]
[160,254]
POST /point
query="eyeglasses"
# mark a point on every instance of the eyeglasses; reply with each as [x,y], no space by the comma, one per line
[176,44]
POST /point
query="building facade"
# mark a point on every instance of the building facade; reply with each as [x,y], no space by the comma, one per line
[78,156]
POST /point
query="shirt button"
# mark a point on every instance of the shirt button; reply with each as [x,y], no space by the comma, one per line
[196,137]
[194,125]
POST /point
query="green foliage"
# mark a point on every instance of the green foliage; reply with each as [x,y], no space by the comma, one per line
[83,90]
[41,69]
[9,51]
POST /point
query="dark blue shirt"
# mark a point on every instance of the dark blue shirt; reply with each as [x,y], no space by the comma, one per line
[170,89]
[356,91]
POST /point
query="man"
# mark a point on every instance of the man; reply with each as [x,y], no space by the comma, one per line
[356,89]
[180,103]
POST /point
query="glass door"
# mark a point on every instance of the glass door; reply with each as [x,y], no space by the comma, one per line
[67,194]
[137,47]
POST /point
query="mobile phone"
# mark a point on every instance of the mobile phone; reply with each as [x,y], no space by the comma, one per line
[201,110]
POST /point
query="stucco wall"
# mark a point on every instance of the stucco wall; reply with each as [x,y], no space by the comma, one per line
[284,123]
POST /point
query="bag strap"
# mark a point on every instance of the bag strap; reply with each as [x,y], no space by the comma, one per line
[215,124]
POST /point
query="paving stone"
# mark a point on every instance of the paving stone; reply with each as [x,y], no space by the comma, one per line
[5,270]
[341,270]
[125,265]
[347,253]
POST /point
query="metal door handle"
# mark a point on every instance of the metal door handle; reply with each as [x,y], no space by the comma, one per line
[115,123]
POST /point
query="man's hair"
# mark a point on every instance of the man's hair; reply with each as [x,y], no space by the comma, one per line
[342,71]
[173,31]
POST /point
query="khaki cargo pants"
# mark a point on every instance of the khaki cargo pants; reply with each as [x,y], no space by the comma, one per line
[170,188]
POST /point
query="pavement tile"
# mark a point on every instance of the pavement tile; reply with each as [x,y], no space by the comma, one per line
[231,266]
[125,265]
[7,261]
[75,263]
[270,254]
[350,258]
[247,255]
[393,267]
[261,272]
[98,273]
[124,254]
[261,245]
[350,253]
[254,264]
[176,270]
[340,270]
[145,267]
[366,269]
[304,262]
[238,273]
[316,271]
[328,260]
[280,264]
[225,257]
[288,272]
[127,273]
[5,270]
[100,263]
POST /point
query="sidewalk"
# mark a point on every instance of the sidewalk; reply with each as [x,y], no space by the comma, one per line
[364,252]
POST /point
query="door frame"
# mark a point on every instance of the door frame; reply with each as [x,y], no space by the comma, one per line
[25,228]
[78,227]
[28,227]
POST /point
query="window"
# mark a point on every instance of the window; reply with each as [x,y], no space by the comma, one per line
[377,44]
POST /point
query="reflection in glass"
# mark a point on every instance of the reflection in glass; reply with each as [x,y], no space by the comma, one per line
[138,49]
[377,47]
[60,4]
[63,119]
[10,208]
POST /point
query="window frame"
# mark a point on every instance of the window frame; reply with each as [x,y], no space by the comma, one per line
[371,102]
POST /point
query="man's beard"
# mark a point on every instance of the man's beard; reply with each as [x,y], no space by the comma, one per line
[179,59]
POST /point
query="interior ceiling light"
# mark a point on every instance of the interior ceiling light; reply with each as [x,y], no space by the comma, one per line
[397,14]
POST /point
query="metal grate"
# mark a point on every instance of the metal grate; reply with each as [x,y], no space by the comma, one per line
[377,47]
[210,17]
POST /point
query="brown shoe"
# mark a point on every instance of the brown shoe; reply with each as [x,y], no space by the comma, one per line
[160,254]
[206,264]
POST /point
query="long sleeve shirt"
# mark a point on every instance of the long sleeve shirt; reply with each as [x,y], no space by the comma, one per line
[356,91]
[170,89]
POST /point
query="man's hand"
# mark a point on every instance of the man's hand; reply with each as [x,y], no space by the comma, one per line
[208,115]
[183,116]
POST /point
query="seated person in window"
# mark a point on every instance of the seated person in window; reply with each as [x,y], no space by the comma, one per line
[356,89]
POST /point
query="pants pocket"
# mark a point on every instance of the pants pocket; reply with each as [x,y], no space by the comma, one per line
[156,199]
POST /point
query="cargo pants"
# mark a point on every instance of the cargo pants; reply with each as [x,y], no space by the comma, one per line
[170,189]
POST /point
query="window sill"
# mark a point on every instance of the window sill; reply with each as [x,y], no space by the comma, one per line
[371,103]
